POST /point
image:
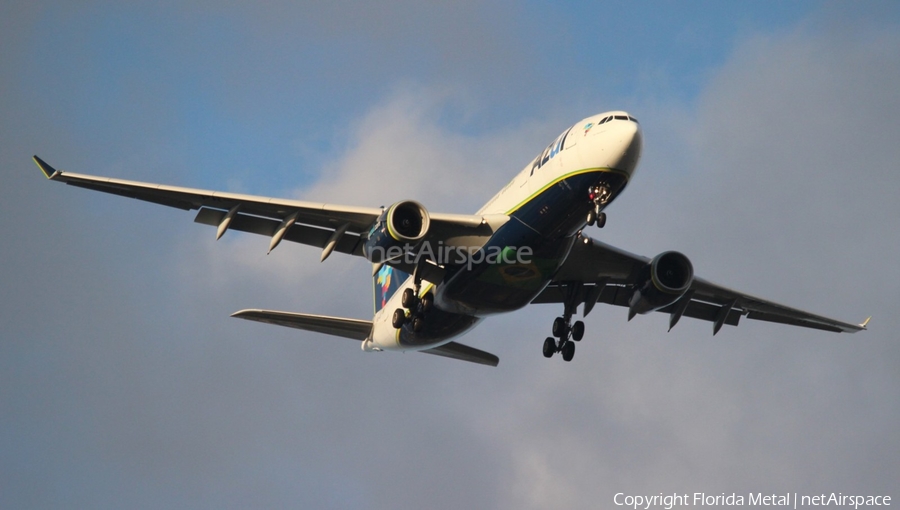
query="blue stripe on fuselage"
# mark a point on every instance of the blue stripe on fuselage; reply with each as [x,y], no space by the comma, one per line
[560,210]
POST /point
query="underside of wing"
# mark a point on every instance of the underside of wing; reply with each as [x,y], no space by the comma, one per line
[330,227]
[596,272]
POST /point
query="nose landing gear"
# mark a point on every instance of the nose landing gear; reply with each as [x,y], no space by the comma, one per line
[599,196]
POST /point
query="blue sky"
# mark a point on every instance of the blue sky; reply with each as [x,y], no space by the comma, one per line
[278,86]
[770,160]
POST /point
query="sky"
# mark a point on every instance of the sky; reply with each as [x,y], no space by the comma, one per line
[770,159]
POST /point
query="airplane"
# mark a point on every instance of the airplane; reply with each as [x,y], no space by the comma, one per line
[437,275]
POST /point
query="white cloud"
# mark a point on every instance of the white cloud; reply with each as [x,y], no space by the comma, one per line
[401,149]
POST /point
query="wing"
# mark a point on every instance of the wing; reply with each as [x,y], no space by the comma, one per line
[327,226]
[596,272]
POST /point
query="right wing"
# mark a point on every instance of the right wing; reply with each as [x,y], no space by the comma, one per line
[327,226]
[600,273]
[357,329]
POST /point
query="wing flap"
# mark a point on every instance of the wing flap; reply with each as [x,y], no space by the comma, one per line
[304,234]
[161,199]
[768,317]
[706,312]
[618,295]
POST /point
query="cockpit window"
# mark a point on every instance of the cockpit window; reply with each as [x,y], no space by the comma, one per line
[618,117]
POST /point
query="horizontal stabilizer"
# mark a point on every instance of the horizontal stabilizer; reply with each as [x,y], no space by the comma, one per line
[464,353]
[357,329]
[354,329]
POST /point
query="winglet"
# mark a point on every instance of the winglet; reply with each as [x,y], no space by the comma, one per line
[865,323]
[48,170]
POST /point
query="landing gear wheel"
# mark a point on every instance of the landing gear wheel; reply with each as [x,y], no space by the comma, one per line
[601,220]
[398,318]
[417,324]
[408,299]
[563,328]
[427,302]
[559,327]
[577,331]
[568,351]
[591,218]
[549,347]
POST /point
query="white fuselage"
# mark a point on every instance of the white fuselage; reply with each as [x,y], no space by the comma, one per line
[547,203]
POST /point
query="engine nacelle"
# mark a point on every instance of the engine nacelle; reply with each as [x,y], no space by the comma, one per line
[662,282]
[397,231]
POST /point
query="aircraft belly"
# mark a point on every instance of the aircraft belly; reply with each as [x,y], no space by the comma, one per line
[526,266]
[440,328]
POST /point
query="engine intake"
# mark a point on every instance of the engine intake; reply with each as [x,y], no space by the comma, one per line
[662,282]
[408,221]
[397,231]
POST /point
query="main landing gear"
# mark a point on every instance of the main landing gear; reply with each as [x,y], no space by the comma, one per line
[564,330]
[414,308]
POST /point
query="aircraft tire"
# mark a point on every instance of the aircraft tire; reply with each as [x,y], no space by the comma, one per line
[398,318]
[559,327]
[418,323]
[408,299]
[549,347]
[601,220]
[577,331]
[427,302]
[568,351]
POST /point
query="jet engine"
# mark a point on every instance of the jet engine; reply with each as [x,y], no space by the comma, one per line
[662,282]
[397,231]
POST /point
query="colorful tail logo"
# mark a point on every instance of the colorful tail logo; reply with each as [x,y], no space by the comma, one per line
[387,281]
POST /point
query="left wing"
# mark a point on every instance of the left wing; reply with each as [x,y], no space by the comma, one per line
[597,272]
[327,226]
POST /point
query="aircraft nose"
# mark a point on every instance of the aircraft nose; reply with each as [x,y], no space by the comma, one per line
[626,141]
